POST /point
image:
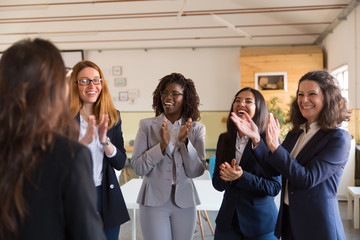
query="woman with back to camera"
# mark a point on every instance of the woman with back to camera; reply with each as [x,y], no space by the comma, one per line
[248,210]
[45,178]
[100,130]
[169,151]
[311,160]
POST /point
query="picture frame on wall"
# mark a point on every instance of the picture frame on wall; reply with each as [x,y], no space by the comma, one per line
[123,96]
[120,82]
[271,81]
[116,70]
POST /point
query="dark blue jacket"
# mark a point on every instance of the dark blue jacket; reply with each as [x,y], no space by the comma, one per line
[251,197]
[114,211]
[313,178]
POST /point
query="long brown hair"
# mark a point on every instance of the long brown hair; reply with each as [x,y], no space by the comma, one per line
[33,107]
[191,100]
[103,104]
[335,109]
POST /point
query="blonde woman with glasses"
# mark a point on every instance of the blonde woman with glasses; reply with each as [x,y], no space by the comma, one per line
[100,130]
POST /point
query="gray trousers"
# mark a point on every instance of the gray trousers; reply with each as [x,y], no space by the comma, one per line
[167,222]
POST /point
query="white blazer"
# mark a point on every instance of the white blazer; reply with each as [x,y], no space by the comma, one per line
[187,161]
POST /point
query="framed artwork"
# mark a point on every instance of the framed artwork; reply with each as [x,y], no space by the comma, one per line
[120,82]
[116,70]
[123,96]
[271,81]
[133,93]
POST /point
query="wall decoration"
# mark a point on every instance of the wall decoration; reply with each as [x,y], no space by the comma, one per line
[132,100]
[116,70]
[271,81]
[120,82]
[133,93]
[123,96]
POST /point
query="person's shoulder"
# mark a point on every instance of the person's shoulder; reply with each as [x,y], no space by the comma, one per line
[337,131]
[64,146]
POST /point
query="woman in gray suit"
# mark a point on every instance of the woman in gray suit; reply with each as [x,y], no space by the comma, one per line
[169,150]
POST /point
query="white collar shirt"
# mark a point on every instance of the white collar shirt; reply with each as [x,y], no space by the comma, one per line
[240,147]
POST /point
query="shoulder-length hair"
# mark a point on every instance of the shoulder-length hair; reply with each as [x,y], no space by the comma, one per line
[260,117]
[33,107]
[335,109]
[191,100]
[104,103]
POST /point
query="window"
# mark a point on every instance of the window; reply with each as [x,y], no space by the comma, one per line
[342,76]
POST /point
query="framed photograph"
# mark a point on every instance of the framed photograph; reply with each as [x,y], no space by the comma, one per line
[120,82]
[271,81]
[133,93]
[123,96]
[116,70]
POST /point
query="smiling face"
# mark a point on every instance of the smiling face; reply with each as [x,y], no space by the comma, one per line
[89,93]
[172,105]
[244,102]
[310,100]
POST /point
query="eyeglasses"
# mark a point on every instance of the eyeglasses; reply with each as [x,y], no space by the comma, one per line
[172,94]
[86,81]
[248,101]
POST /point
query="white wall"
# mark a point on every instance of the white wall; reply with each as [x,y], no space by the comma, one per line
[215,71]
[343,48]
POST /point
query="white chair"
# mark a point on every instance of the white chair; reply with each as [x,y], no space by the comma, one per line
[205,176]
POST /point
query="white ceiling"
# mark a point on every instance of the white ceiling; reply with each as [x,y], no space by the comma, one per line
[87,24]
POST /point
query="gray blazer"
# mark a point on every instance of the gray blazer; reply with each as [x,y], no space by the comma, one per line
[157,169]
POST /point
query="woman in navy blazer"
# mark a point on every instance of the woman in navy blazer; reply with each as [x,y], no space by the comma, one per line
[248,210]
[100,130]
[311,160]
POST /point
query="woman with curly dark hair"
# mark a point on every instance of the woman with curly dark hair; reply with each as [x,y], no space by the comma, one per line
[46,189]
[311,160]
[169,150]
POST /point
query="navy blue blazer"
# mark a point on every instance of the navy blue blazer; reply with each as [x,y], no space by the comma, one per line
[251,197]
[313,178]
[114,211]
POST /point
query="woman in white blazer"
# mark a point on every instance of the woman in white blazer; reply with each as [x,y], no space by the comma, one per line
[169,151]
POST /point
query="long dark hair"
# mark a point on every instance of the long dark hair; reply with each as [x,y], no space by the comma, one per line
[260,119]
[33,107]
[335,109]
[191,100]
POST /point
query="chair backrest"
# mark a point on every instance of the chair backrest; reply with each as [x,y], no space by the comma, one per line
[212,161]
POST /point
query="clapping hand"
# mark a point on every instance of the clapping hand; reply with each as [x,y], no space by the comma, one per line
[230,173]
[272,133]
[103,127]
[90,131]
[184,131]
[246,127]
[165,135]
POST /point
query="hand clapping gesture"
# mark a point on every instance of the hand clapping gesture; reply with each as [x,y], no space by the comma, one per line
[90,131]
[184,131]
[272,133]
[230,173]
[246,127]
[103,127]
[165,135]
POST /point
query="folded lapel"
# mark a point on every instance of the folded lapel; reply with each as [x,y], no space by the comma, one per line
[316,142]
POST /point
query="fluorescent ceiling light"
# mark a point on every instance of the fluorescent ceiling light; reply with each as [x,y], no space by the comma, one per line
[231,26]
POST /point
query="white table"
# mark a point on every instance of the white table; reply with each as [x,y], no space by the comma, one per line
[209,197]
[354,193]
